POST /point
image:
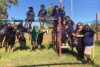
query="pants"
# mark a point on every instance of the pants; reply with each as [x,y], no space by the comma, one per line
[80,51]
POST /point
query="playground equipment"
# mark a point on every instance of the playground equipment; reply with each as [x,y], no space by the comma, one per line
[57,38]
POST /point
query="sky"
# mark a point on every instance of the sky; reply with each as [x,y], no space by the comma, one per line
[83,10]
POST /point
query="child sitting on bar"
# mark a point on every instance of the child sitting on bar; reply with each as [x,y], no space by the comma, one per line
[65,35]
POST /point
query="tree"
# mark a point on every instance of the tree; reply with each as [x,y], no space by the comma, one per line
[94,26]
[4,5]
[49,13]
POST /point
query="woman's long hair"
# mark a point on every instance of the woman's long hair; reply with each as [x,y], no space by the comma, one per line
[77,26]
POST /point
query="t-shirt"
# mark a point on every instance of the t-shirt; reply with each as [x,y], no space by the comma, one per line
[56,14]
[62,14]
[63,34]
[30,14]
[40,35]
[42,13]
[35,33]
[88,38]
[70,24]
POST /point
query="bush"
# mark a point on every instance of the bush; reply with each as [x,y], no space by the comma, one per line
[1,25]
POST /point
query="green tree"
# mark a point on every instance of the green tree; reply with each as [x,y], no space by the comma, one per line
[4,5]
[49,13]
[94,26]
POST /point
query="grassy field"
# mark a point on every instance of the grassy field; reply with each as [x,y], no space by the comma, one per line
[45,58]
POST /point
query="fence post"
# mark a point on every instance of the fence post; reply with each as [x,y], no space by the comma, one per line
[97,26]
[59,21]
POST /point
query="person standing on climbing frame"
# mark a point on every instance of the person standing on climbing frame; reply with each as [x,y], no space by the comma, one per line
[62,14]
[30,16]
[42,14]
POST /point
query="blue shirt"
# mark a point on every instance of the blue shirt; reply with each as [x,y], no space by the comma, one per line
[56,15]
[63,34]
[62,14]
[70,23]
[30,14]
[89,38]
[42,13]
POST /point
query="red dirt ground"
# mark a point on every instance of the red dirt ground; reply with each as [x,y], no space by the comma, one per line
[47,37]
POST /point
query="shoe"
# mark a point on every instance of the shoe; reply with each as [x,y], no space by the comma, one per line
[91,62]
[80,62]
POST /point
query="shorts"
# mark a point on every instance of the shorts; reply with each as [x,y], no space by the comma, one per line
[64,40]
[42,19]
[88,50]
[34,40]
[30,19]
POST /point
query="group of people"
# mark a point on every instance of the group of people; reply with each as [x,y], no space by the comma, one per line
[11,33]
[42,14]
[81,37]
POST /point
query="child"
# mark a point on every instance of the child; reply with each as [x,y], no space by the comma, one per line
[42,15]
[65,36]
[88,42]
[40,38]
[70,24]
[34,35]
[30,16]
[55,15]
[62,14]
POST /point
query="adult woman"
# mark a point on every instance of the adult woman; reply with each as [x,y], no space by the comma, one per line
[78,37]
[88,42]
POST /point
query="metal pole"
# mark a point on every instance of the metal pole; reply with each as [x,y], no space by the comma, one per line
[97,17]
[60,3]
[60,52]
[71,6]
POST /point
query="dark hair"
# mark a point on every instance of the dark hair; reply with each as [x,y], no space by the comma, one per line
[67,17]
[86,26]
[54,9]
[61,7]
[56,6]
[31,8]
[77,25]
[42,6]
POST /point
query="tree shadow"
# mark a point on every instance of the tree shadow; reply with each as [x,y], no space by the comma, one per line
[57,64]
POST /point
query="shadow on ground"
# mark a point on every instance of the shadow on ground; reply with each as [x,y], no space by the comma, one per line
[57,64]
